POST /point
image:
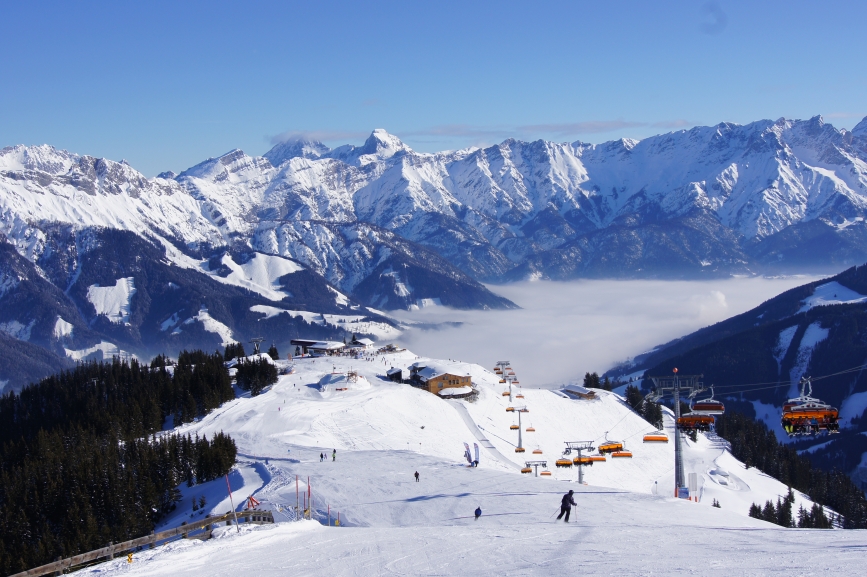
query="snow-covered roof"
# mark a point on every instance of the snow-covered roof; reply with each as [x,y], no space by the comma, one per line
[393,370]
[327,345]
[579,390]
[365,342]
[427,370]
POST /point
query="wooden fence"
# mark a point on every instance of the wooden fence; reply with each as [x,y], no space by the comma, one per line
[154,539]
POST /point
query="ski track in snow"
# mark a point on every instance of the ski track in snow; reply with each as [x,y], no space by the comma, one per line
[393,525]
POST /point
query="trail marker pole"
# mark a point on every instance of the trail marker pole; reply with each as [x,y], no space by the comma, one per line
[297,500]
[232,501]
[329,515]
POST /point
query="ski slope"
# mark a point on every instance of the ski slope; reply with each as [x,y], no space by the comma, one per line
[626,521]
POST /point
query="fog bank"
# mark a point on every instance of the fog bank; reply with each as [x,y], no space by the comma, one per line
[565,329]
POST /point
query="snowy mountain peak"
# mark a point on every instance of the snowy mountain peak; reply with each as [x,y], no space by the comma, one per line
[860,129]
[44,158]
[380,145]
[296,146]
[383,144]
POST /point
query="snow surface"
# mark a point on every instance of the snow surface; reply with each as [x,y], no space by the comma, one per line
[853,407]
[113,301]
[626,521]
[62,328]
[18,330]
[814,335]
[832,293]
[350,323]
[784,341]
[259,274]
[107,350]
[211,325]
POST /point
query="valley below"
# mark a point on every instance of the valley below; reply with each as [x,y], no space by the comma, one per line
[565,329]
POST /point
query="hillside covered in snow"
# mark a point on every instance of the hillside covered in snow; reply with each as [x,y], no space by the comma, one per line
[374,438]
[757,359]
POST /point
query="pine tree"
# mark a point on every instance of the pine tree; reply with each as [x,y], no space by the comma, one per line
[272,352]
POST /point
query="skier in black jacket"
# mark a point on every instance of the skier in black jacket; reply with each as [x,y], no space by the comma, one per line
[566,505]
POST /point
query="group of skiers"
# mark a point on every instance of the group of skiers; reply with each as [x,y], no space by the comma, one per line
[333,456]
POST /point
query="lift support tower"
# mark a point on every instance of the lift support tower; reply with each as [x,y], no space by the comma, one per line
[677,385]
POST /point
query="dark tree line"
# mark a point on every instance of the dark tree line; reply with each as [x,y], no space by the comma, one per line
[756,446]
[234,350]
[273,352]
[80,464]
[781,514]
[255,375]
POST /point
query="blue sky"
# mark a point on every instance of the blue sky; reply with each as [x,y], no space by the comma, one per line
[166,85]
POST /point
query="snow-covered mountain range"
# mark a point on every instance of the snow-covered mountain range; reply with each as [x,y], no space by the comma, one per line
[386,227]
[725,198]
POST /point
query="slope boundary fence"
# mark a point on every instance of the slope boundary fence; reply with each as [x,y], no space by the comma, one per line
[203,529]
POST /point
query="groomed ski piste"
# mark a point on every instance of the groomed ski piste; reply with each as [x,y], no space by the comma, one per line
[626,522]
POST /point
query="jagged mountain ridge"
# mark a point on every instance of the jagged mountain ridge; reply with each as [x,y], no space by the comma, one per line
[710,200]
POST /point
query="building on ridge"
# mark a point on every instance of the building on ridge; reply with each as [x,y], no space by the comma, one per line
[435,378]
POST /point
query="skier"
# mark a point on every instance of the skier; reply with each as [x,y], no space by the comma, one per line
[478,512]
[321,457]
[416,476]
[334,455]
[566,505]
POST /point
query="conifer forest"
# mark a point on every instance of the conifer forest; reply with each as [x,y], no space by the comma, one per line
[82,460]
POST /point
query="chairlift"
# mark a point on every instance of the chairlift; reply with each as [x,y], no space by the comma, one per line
[545,474]
[514,427]
[597,458]
[537,451]
[530,429]
[610,446]
[583,460]
[563,462]
[526,470]
[617,454]
[657,437]
[695,422]
[805,415]
[708,406]
[519,449]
